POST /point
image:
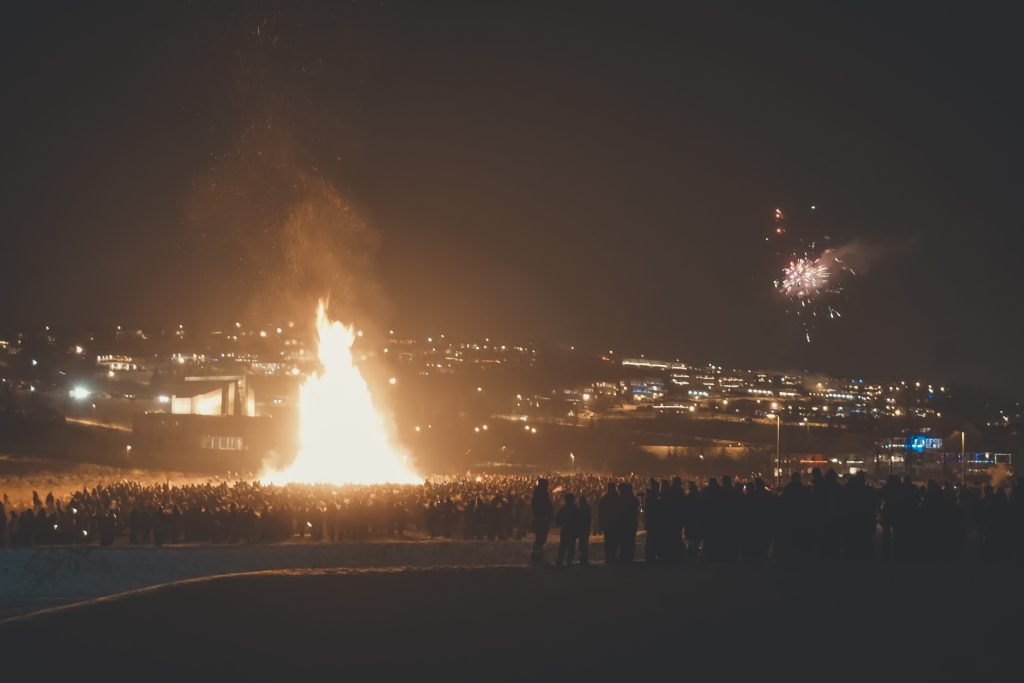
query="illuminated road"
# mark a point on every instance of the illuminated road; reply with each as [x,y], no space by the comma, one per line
[89,422]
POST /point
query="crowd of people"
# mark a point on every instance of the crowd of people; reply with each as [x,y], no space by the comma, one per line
[823,517]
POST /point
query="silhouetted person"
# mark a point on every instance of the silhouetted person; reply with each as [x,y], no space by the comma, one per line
[730,520]
[542,511]
[674,511]
[108,529]
[630,511]
[890,495]
[583,537]
[907,546]
[756,520]
[694,517]
[609,519]
[1016,513]
[568,521]
[795,536]
[158,526]
[175,524]
[711,504]
[934,524]
[997,537]
[134,524]
[859,520]
[653,522]
[828,492]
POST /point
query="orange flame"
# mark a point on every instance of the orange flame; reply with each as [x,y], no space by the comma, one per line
[343,439]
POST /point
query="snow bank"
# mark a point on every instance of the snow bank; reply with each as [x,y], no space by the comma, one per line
[62,574]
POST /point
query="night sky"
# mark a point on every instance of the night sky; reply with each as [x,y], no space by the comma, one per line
[598,175]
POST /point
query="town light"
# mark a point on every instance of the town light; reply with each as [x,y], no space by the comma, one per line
[79,393]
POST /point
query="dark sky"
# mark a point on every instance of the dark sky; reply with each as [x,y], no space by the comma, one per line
[602,175]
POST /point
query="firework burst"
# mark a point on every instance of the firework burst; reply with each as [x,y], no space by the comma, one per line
[811,281]
[804,278]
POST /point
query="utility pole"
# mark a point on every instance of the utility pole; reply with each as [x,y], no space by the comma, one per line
[963,458]
[778,449]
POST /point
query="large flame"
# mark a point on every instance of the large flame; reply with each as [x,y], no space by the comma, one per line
[342,437]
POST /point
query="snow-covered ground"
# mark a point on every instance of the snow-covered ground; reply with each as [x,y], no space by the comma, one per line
[39,577]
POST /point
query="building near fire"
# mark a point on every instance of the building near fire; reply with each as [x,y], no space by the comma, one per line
[206,443]
[214,395]
[212,426]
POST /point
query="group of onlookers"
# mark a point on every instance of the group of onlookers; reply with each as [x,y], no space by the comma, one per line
[823,517]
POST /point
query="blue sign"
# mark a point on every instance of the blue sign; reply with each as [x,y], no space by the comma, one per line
[923,442]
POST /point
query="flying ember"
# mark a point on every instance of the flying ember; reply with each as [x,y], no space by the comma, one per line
[343,439]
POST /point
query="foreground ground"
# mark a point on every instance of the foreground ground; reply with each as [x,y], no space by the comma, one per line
[703,622]
[46,576]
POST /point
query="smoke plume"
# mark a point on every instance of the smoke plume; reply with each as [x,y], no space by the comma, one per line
[279,232]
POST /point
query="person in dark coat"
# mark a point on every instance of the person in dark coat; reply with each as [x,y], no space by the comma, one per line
[630,511]
[1016,512]
[653,522]
[607,513]
[108,529]
[568,521]
[674,507]
[794,539]
[859,520]
[542,511]
[583,535]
